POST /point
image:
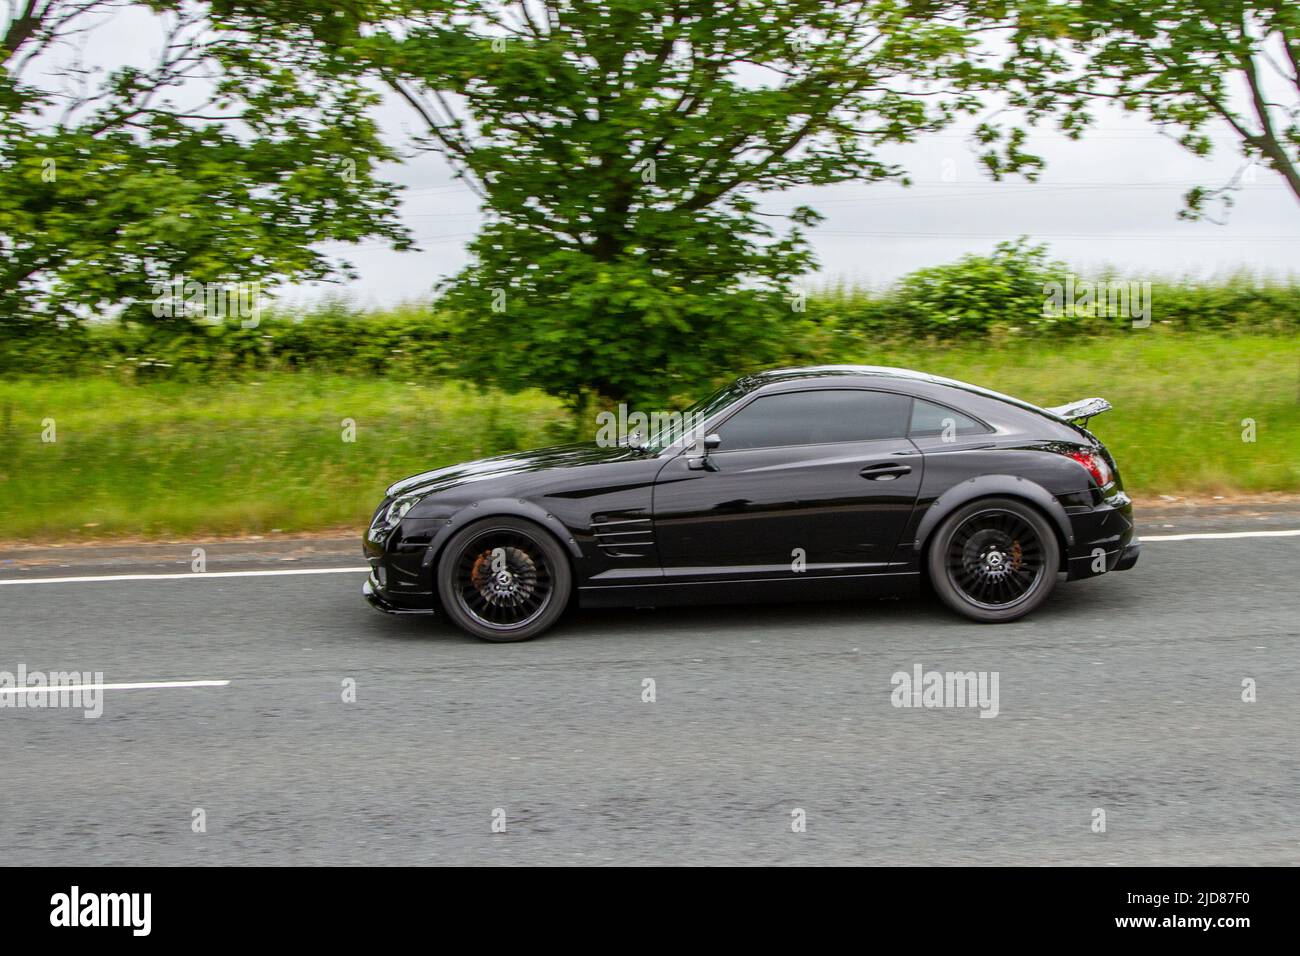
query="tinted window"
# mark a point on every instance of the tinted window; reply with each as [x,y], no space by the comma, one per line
[934,421]
[814,418]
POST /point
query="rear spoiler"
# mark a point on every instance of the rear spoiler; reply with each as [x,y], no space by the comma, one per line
[1082,410]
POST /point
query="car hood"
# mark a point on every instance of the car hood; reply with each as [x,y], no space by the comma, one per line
[516,463]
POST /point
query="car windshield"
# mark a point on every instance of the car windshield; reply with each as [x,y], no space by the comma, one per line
[669,428]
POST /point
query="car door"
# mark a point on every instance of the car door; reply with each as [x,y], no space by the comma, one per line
[815,481]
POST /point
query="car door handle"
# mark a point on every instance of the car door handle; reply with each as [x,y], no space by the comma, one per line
[885,472]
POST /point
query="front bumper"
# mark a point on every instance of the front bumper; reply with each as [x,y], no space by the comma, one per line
[401,573]
[382,601]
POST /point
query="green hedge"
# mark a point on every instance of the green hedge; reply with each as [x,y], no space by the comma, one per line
[1002,296]
[334,337]
[978,299]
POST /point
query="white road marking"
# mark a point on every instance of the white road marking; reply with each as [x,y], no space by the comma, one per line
[1209,536]
[193,575]
[144,685]
[200,575]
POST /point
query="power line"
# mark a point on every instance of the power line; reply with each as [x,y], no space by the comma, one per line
[1153,237]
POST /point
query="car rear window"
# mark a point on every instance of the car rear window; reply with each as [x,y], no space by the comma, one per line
[935,421]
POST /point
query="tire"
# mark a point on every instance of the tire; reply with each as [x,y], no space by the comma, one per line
[504,579]
[994,559]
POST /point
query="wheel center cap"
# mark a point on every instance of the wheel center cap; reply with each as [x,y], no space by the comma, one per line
[504,579]
[993,559]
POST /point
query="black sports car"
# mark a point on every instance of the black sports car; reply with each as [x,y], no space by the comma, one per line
[805,483]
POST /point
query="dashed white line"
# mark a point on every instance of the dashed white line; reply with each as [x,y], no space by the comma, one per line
[284,572]
[143,685]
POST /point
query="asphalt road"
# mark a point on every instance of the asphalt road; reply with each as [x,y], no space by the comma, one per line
[1122,694]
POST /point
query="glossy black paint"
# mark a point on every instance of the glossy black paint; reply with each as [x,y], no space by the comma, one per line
[855,517]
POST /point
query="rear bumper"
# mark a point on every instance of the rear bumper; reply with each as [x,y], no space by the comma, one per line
[1129,556]
[1105,538]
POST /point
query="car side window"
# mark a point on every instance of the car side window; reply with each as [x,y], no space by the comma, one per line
[935,421]
[816,418]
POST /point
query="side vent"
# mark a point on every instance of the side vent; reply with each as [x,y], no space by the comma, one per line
[623,534]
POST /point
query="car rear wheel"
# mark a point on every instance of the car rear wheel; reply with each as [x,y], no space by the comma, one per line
[504,579]
[995,559]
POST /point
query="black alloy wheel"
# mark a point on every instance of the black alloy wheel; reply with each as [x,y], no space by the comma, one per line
[995,559]
[503,579]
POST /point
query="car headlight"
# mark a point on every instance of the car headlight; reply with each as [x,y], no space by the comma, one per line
[398,509]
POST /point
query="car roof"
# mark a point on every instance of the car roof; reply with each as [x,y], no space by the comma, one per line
[830,372]
[819,371]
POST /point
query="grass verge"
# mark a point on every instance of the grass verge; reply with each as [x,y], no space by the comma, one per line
[268,454]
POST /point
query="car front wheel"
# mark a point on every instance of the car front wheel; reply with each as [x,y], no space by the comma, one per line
[995,559]
[504,579]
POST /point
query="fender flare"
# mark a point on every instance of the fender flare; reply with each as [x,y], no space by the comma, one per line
[497,508]
[987,486]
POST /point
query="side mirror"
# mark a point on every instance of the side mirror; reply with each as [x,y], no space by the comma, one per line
[701,461]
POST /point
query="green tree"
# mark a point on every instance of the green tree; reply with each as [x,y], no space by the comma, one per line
[622,149]
[230,159]
[1189,65]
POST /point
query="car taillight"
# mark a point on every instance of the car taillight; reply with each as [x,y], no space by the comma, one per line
[1095,466]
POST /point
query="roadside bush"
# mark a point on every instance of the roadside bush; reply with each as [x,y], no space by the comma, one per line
[405,341]
[974,296]
[977,299]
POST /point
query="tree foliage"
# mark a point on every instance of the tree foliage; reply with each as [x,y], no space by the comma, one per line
[1189,65]
[623,148]
[229,159]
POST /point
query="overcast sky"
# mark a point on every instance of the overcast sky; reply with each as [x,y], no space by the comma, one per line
[1111,199]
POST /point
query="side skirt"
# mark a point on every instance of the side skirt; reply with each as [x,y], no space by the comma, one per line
[761,590]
